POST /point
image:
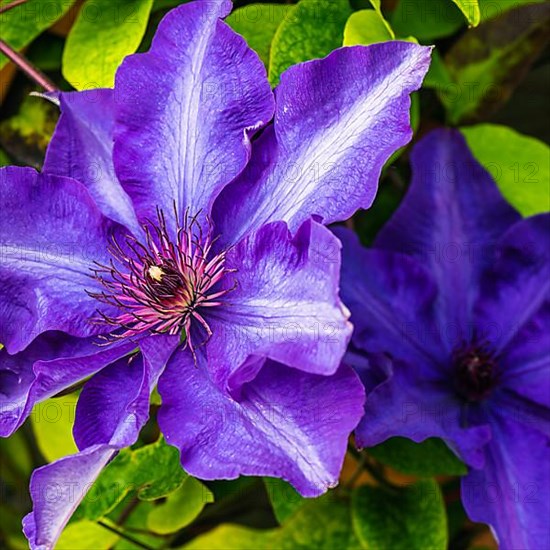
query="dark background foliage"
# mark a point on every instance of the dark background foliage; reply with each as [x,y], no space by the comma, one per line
[490,77]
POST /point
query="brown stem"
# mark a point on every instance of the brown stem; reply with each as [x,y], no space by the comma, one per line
[358,471]
[125,514]
[14,4]
[32,72]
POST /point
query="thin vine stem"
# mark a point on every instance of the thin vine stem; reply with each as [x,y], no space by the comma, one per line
[374,470]
[14,4]
[26,66]
[124,535]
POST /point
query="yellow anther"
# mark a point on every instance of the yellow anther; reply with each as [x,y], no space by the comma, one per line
[156,273]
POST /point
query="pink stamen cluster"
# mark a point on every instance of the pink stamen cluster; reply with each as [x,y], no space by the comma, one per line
[161,286]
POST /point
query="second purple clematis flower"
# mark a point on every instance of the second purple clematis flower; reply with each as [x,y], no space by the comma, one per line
[456,292]
[161,245]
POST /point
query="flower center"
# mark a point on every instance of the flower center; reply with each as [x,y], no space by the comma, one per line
[475,371]
[164,285]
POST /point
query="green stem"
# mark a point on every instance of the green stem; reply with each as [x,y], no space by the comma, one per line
[125,536]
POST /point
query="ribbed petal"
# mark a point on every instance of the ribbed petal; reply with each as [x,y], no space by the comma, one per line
[451,219]
[411,404]
[82,148]
[286,423]
[284,306]
[510,492]
[116,404]
[391,297]
[103,403]
[517,285]
[338,120]
[16,376]
[57,489]
[189,108]
[525,364]
[50,365]
[48,245]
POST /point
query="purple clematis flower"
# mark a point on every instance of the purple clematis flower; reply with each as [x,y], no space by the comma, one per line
[455,292]
[196,258]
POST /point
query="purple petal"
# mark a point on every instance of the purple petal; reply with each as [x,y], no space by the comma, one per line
[515,288]
[51,364]
[82,148]
[108,404]
[525,364]
[114,405]
[511,492]
[528,405]
[111,410]
[285,305]
[337,122]
[450,219]
[391,297]
[56,491]
[48,243]
[188,108]
[286,423]
[400,406]
[16,377]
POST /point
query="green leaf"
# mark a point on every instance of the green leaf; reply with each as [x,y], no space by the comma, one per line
[104,33]
[153,471]
[15,457]
[167,4]
[86,535]
[438,76]
[493,8]
[368,27]
[134,527]
[429,458]
[456,515]
[21,25]
[365,27]
[312,29]
[4,161]
[284,499]
[26,135]
[52,422]
[258,24]
[488,62]
[233,537]
[427,20]
[155,398]
[46,52]
[10,527]
[377,5]
[519,164]
[231,490]
[322,523]
[412,518]
[181,507]
[470,9]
